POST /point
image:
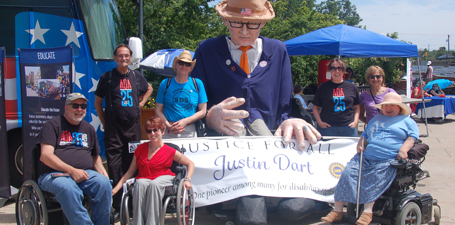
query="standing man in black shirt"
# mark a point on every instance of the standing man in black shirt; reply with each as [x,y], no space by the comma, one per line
[121,87]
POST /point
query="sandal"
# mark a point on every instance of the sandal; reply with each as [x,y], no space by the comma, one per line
[332,217]
[365,218]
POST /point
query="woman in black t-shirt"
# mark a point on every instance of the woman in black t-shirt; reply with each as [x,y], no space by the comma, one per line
[336,104]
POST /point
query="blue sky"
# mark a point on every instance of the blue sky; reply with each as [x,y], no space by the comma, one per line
[422,22]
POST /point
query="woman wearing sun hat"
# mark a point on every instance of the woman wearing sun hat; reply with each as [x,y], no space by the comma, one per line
[390,135]
[181,100]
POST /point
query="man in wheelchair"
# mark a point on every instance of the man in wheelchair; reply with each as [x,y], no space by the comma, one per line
[69,151]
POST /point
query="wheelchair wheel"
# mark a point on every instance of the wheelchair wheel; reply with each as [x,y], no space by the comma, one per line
[437,215]
[125,209]
[410,214]
[30,205]
[185,205]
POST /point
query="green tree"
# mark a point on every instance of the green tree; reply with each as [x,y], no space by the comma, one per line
[170,24]
[343,9]
[295,18]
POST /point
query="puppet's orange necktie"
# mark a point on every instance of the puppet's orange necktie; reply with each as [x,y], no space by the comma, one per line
[244,59]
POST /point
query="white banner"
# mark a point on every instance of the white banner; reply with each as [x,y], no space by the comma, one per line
[231,167]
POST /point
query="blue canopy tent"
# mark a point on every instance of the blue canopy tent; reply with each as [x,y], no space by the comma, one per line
[352,42]
[349,41]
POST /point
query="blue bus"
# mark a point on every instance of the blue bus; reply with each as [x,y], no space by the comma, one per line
[92,27]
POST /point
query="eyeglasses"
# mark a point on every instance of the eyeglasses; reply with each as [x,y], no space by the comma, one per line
[149,131]
[238,24]
[76,106]
[184,63]
[123,56]
[332,68]
[375,76]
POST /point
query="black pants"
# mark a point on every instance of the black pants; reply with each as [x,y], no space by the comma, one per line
[117,135]
[252,210]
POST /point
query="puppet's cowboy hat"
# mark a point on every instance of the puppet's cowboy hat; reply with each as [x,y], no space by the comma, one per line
[185,56]
[393,98]
[255,11]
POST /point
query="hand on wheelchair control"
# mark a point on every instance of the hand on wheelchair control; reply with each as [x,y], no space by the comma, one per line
[300,129]
[402,154]
[220,116]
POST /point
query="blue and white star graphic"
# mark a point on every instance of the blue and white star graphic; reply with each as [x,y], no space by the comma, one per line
[37,33]
[72,35]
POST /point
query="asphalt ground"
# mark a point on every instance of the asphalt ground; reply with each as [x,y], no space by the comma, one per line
[440,162]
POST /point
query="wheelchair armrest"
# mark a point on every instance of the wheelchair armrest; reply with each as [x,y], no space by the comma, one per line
[180,168]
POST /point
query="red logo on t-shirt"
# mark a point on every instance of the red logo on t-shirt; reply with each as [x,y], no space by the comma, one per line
[338,92]
[66,137]
[125,84]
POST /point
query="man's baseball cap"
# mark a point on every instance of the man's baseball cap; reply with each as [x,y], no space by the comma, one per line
[73,96]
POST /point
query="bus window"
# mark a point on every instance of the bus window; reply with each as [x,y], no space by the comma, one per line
[104,27]
[7,16]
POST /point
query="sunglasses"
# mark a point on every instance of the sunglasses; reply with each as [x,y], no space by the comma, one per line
[237,24]
[375,76]
[184,63]
[149,131]
[76,106]
[332,68]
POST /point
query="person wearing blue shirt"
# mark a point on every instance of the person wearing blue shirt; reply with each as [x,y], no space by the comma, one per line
[390,136]
[249,89]
[298,95]
[181,100]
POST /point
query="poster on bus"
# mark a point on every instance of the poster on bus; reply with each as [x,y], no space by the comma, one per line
[4,180]
[46,80]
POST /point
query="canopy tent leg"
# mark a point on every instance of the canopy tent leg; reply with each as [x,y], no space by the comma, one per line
[422,97]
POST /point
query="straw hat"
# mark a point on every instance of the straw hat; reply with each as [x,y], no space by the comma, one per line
[185,56]
[393,98]
[246,10]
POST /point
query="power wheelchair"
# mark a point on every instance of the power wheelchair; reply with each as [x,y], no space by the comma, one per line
[401,203]
[33,205]
[177,199]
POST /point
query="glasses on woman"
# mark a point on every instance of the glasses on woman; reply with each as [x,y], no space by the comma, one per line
[333,68]
[184,64]
[375,76]
[149,131]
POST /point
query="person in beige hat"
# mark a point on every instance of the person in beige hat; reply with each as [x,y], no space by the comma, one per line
[249,89]
[181,100]
[390,135]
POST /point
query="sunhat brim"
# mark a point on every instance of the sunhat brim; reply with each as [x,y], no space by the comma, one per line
[405,110]
[176,60]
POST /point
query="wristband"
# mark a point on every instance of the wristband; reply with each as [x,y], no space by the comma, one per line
[188,179]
